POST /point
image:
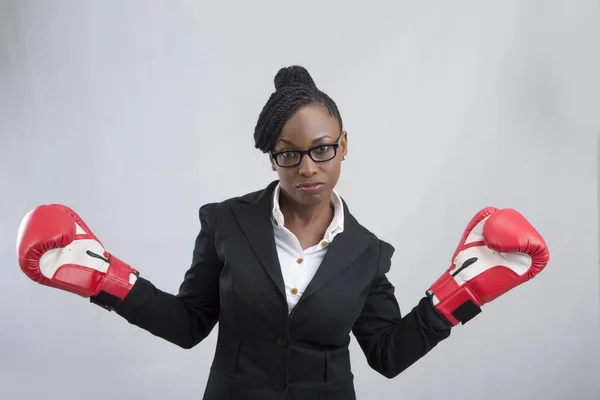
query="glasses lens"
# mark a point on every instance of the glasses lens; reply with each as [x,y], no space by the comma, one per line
[323,153]
[288,159]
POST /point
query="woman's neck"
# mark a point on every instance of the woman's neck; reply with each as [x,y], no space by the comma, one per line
[302,216]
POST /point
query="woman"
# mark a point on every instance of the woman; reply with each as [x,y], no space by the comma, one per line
[287,271]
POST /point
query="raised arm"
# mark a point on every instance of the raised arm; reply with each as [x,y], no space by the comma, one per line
[187,318]
[498,251]
[390,342]
[57,249]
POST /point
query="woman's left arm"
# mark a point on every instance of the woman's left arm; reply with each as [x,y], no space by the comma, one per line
[392,343]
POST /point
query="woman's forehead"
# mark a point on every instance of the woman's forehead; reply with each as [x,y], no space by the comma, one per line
[308,126]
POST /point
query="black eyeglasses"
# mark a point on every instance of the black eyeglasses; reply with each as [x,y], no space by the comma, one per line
[319,154]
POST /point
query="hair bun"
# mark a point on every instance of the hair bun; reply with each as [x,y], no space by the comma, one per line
[293,74]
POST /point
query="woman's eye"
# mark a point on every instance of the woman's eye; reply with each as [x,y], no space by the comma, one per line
[322,149]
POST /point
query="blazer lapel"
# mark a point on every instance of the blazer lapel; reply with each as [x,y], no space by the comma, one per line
[345,248]
[254,217]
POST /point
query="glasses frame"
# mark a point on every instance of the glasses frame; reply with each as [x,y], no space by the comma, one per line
[308,152]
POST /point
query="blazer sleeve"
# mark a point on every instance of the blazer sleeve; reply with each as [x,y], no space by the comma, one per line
[390,342]
[188,317]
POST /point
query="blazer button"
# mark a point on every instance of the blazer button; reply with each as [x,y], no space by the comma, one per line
[283,342]
[279,384]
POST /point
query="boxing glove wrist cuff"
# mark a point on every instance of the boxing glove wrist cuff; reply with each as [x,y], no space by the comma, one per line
[457,303]
[115,284]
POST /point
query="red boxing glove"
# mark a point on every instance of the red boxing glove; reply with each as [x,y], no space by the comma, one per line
[56,248]
[498,251]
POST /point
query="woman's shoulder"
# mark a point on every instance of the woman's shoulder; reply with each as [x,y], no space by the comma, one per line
[213,208]
[254,196]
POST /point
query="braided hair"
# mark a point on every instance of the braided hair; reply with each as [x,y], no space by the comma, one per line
[294,88]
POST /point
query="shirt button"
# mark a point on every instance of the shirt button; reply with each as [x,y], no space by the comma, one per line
[281,341]
[324,244]
[299,261]
[279,384]
[294,291]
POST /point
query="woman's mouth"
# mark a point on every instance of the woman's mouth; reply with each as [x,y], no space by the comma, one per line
[311,187]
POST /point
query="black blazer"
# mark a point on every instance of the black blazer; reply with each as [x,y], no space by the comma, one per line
[262,353]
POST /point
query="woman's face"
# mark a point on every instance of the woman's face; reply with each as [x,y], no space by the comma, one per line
[309,182]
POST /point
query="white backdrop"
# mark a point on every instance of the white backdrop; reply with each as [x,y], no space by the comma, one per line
[135,113]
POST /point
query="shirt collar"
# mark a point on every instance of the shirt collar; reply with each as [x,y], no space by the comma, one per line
[337,223]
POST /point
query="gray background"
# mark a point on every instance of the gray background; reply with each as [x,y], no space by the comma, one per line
[135,113]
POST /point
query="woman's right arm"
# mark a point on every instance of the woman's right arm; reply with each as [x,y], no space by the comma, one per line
[187,318]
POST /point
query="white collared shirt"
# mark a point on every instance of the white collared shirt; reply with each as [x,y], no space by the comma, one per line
[298,266]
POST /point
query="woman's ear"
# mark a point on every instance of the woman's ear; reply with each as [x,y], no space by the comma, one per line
[272,163]
[344,145]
